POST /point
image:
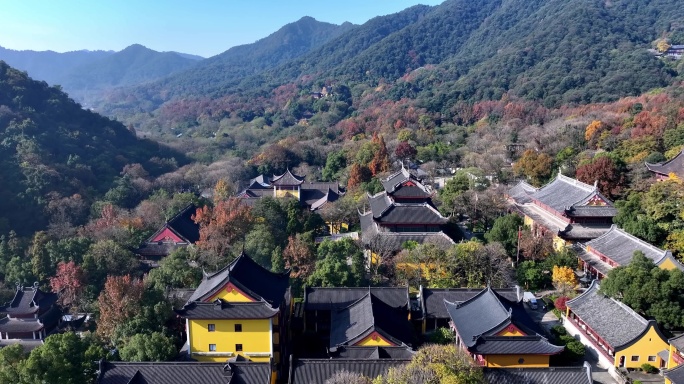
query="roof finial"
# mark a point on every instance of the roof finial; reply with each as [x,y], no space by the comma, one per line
[595,184]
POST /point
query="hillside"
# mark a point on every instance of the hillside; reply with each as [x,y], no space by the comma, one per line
[53,149]
[85,74]
[558,51]
[213,76]
[50,66]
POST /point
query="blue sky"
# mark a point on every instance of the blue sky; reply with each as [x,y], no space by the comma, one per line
[202,27]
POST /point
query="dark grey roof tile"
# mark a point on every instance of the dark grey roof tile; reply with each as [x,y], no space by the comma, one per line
[599,313]
[478,316]
[325,299]
[318,371]
[675,165]
[520,345]
[551,375]
[223,310]
[287,179]
[184,373]
[676,374]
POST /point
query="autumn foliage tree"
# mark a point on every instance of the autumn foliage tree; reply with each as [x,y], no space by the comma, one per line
[359,174]
[67,282]
[118,302]
[380,162]
[564,279]
[299,255]
[536,166]
[221,227]
[610,178]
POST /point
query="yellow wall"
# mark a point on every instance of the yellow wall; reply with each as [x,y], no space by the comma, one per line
[528,221]
[514,332]
[287,193]
[369,342]
[255,337]
[511,361]
[231,295]
[668,264]
[649,345]
[558,243]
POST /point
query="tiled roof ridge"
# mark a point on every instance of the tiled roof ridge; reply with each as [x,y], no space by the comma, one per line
[179,214]
[575,182]
[346,360]
[664,252]
[662,163]
[594,289]
[525,337]
[487,290]
[299,178]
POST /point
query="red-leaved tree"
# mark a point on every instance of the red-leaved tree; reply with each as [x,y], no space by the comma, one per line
[68,282]
[603,169]
[222,226]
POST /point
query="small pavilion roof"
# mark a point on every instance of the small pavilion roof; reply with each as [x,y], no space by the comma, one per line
[675,165]
[403,184]
[612,320]
[287,179]
[359,320]
[620,246]
[29,300]
[248,276]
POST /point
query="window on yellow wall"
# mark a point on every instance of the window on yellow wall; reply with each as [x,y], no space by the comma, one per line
[651,359]
[212,347]
[211,327]
[635,358]
[238,347]
[238,327]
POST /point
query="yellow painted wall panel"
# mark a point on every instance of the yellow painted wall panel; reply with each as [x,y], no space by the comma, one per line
[374,340]
[514,361]
[255,338]
[231,295]
[648,345]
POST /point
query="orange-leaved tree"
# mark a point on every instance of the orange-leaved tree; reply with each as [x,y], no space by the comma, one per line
[67,282]
[118,302]
[221,227]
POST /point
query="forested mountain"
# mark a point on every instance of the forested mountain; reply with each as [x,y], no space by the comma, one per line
[48,65]
[83,74]
[56,157]
[213,75]
[576,51]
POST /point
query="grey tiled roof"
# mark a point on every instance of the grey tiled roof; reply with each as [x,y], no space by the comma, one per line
[184,373]
[287,178]
[318,371]
[675,165]
[520,345]
[250,277]
[315,198]
[592,259]
[564,192]
[619,246]
[433,298]
[367,315]
[591,211]
[677,342]
[28,301]
[599,313]
[223,310]
[676,374]
[411,214]
[393,185]
[550,375]
[521,192]
[395,240]
[16,326]
[565,230]
[379,203]
[478,316]
[318,298]
[350,352]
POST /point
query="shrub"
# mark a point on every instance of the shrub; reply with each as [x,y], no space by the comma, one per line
[560,303]
[442,336]
[558,331]
[648,368]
